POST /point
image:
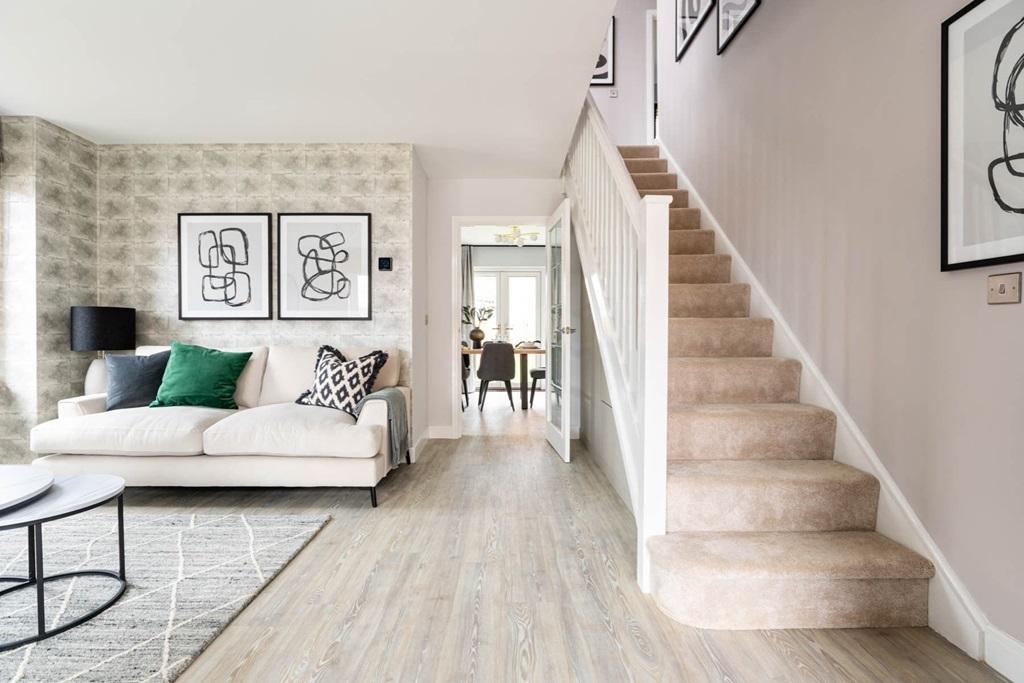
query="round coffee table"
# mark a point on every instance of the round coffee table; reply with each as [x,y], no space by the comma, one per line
[22,483]
[66,496]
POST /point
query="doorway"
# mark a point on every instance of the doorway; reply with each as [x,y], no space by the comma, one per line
[500,291]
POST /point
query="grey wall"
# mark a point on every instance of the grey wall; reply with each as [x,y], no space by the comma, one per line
[497,257]
[815,140]
[142,188]
[47,264]
[625,114]
[597,424]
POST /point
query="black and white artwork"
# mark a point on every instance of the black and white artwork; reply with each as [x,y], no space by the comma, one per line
[732,14]
[323,265]
[604,70]
[690,16]
[983,135]
[224,266]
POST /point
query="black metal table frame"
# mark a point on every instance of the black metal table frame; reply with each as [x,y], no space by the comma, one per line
[36,577]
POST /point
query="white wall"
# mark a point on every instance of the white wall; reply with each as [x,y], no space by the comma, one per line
[815,141]
[625,114]
[465,197]
[420,218]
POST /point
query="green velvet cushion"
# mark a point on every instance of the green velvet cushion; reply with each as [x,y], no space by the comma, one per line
[198,376]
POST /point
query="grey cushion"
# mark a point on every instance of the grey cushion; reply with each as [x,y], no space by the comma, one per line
[132,381]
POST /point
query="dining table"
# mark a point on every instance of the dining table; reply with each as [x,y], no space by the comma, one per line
[524,354]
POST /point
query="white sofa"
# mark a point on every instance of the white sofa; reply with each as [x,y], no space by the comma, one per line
[269,441]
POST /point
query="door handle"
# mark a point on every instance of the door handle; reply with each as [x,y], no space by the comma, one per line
[567,330]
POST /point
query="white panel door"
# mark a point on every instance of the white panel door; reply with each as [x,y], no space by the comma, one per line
[559,357]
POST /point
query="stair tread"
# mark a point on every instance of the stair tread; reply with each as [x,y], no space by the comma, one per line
[739,360]
[751,409]
[766,472]
[832,555]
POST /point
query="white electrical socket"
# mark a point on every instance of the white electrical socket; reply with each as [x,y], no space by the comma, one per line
[613,92]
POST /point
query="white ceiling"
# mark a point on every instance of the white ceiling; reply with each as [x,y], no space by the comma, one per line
[486,235]
[484,89]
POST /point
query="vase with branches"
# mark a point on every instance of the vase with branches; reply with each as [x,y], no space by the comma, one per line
[471,315]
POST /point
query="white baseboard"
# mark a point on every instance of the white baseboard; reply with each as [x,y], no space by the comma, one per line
[441,432]
[417,447]
[1005,654]
[952,612]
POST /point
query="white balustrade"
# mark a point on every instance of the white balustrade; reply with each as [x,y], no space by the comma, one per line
[623,246]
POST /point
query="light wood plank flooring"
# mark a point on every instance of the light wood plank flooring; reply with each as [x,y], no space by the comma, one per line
[491,560]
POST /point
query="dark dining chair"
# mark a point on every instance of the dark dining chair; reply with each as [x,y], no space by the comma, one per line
[497,364]
[466,372]
[536,374]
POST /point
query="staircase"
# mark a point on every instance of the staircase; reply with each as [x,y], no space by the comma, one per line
[763,529]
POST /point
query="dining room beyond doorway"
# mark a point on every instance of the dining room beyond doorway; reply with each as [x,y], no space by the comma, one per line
[503,303]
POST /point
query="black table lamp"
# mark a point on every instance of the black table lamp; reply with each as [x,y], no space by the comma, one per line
[101,328]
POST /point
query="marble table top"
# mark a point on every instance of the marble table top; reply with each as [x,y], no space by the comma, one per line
[68,494]
[19,483]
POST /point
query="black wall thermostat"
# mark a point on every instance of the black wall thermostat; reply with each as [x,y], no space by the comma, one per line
[384,263]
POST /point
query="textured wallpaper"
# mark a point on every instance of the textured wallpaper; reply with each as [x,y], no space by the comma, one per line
[142,188]
[48,264]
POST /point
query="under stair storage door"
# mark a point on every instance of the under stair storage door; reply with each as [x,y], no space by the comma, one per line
[558,405]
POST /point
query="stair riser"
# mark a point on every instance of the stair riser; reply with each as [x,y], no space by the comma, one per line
[700,269]
[701,504]
[766,603]
[729,437]
[725,338]
[655,181]
[683,218]
[639,151]
[646,165]
[690,383]
[691,242]
[709,301]
[680,198]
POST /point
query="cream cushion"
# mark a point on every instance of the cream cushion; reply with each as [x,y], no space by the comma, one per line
[290,370]
[289,429]
[175,430]
[247,390]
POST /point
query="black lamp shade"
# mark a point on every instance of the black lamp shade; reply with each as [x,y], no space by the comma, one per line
[102,328]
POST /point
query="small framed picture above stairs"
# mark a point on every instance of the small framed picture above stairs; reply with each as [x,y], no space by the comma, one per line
[764,529]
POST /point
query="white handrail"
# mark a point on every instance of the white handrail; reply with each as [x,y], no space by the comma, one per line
[623,246]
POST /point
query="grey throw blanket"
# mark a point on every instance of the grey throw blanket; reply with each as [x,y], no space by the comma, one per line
[398,422]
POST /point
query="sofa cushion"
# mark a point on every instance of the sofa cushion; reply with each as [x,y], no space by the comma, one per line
[175,430]
[132,381]
[198,376]
[290,370]
[289,429]
[341,383]
[247,390]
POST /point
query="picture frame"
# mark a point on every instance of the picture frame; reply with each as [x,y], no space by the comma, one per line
[690,16]
[224,266]
[604,69]
[324,266]
[982,155]
[732,15]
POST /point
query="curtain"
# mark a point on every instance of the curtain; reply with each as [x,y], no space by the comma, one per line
[468,295]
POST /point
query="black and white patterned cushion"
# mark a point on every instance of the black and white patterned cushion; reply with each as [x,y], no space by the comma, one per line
[339,383]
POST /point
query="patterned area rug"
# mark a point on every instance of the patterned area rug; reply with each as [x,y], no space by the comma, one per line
[188,576]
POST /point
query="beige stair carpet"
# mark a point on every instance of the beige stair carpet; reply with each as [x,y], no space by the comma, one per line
[765,530]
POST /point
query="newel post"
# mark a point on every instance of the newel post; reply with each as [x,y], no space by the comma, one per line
[654,327]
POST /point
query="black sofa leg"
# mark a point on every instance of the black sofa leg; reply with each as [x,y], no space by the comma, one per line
[408,458]
[373,496]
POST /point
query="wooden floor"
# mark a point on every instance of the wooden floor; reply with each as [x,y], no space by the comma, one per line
[491,560]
